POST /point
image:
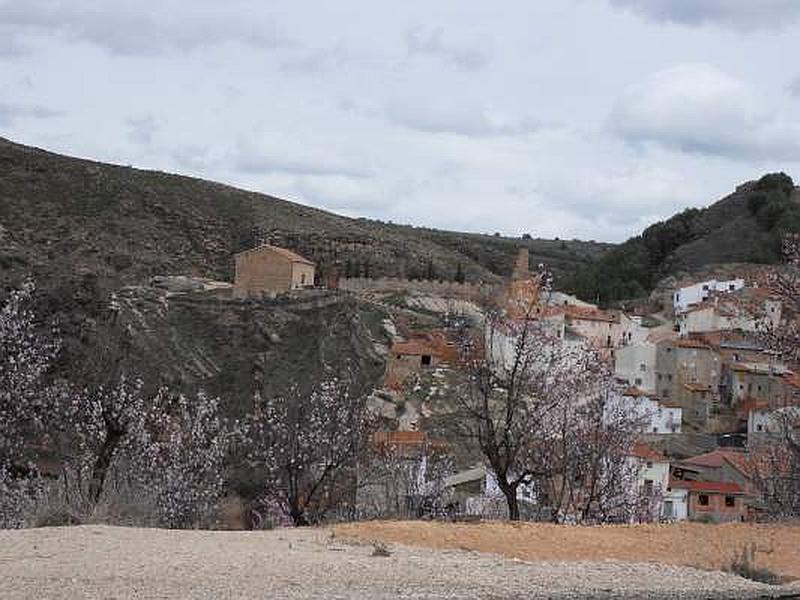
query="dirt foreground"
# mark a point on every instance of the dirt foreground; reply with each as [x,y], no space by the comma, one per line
[703,546]
[111,563]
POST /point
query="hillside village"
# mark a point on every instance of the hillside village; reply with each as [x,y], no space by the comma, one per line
[707,391]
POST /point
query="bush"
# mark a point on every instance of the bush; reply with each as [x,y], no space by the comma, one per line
[744,565]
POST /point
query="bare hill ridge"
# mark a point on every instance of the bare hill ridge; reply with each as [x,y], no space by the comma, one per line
[64,216]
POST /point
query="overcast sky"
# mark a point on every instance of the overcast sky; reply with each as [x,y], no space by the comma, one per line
[569,118]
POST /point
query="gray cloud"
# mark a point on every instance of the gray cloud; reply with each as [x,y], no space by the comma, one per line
[794,87]
[699,109]
[141,129]
[314,61]
[738,14]
[469,57]
[253,161]
[135,29]
[460,119]
[9,113]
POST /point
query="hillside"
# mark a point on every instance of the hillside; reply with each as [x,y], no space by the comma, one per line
[745,227]
[70,219]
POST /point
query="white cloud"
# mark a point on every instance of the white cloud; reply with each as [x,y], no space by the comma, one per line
[12,112]
[738,14]
[468,56]
[697,108]
[126,28]
[457,117]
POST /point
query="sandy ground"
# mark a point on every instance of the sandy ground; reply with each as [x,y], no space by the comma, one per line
[98,562]
[698,545]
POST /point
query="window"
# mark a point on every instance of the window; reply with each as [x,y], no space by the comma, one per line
[425,360]
[669,511]
[702,499]
[637,381]
[643,367]
[760,427]
[302,278]
[655,429]
[731,287]
[648,487]
[730,501]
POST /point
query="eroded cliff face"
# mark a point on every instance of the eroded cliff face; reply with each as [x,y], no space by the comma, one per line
[226,347]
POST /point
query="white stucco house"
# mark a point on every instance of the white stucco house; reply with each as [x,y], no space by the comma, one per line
[656,416]
[690,295]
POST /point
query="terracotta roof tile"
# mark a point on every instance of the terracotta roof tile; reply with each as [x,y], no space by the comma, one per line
[718,487]
[288,254]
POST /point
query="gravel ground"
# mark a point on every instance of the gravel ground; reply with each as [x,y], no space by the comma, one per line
[98,562]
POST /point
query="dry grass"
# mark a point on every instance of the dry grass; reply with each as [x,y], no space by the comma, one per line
[688,544]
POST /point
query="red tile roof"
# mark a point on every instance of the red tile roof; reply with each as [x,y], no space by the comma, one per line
[646,452]
[288,254]
[713,487]
[716,458]
[697,387]
[413,438]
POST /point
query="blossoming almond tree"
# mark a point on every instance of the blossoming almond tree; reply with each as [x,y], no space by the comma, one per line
[308,446]
[27,398]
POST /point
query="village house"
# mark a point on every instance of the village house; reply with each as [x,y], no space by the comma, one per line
[636,365]
[765,423]
[688,374]
[652,481]
[685,297]
[657,417]
[711,500]
[422,351]
[747,310]
[721,464]
[768,382]
[270,269]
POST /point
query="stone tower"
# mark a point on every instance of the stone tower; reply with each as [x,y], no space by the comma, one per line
[521,267]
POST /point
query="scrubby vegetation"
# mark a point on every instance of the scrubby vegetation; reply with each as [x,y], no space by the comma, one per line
[747,226]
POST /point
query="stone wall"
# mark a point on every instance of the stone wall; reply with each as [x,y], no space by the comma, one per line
[472,291]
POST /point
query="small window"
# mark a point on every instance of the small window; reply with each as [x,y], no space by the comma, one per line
[425,360]
[731,287]
[655,429]
[702,499]
[302,278]
[760,427]
[638,381]
[642,367]
[730,501]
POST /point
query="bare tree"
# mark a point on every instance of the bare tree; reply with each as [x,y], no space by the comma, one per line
[784,339]
[308,447]
[776,458]
[406,481]
[585,451]
[525,374]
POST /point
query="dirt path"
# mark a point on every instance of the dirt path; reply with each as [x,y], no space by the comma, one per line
[96,562]
[686,544]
